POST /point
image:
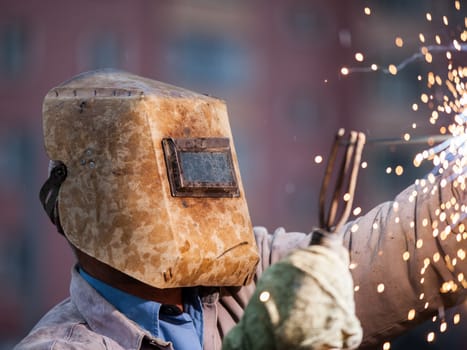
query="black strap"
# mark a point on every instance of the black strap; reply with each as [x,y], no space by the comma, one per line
[48,194]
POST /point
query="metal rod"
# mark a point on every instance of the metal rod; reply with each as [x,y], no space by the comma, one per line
[345,180]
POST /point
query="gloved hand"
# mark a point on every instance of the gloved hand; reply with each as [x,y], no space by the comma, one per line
[302,302]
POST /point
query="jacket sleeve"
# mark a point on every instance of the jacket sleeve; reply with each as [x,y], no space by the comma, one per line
[408,256]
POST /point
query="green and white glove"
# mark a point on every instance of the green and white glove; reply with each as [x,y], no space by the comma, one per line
[305,301]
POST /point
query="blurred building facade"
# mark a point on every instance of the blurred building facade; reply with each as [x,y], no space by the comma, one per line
[276,63]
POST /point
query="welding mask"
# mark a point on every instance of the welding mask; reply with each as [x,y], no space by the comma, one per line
[147,180]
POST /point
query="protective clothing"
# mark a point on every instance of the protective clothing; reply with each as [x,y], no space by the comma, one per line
[147,180]
[305,301]
[87,321]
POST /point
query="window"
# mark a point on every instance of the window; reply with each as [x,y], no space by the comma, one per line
[105,51]
[214,60]
[14,45]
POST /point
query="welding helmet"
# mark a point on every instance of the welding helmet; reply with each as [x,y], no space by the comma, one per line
[146,180]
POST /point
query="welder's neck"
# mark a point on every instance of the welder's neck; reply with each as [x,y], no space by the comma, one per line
[119,280]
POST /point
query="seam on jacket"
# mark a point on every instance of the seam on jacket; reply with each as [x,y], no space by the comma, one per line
[66,338]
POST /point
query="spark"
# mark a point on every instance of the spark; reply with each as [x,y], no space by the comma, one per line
[264,296]
[414,57]
[399,42]
[445,21]
[460,277]
[359,57]
[399,170]
[357,211]
[461,254]
[392,69]
[419,243]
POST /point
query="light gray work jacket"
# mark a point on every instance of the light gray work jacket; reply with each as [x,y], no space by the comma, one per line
[407,261]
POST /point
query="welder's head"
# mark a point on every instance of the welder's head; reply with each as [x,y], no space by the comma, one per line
[145,179]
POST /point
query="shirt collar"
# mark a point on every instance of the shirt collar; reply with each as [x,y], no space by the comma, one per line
[103,318]
[146,313]
[143,312]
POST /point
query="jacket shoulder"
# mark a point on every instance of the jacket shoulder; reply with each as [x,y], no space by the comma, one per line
[63,327]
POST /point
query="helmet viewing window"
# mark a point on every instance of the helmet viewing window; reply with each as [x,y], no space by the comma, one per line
[200,167]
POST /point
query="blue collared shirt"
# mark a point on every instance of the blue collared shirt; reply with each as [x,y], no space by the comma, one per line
[184,330]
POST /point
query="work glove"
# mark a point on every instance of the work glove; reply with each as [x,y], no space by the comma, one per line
[305,301]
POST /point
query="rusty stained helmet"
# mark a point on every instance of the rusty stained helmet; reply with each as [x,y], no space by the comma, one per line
[152,186]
